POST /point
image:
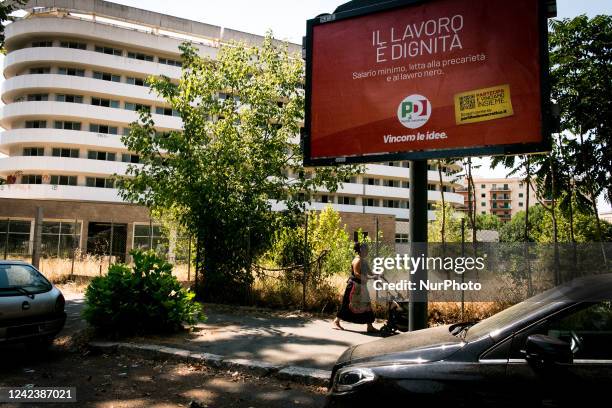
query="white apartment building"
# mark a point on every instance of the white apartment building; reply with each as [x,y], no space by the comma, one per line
[74,77]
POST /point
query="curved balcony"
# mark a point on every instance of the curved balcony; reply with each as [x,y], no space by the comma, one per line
[61,165]
[89,30]
[402,172]
[25,57]
[78,111]
[53,192]
[23,84]
[58,138]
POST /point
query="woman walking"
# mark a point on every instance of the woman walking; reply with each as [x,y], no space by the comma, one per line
[356,306]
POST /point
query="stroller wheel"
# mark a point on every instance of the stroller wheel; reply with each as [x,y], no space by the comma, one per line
[387,331]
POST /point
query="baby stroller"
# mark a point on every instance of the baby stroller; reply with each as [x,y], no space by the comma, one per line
[397,315]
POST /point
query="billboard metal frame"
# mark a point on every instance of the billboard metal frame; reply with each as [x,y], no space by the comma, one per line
[492,150]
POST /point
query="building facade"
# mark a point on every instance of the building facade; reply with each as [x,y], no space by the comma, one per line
[74,79]
[503,197]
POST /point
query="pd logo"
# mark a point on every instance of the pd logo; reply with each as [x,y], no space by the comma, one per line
[414,111]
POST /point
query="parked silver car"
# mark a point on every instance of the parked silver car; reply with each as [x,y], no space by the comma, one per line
[31,308]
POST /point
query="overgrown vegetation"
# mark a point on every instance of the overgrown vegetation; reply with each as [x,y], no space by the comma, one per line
[143,299]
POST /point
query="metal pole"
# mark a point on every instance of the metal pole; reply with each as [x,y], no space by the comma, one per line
[6,241]
[37,237]
[110,250]
[305,264]
[418,237]
[189,260]
[462,275]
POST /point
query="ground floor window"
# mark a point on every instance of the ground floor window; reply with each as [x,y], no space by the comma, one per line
[60,238]
[15,237]
[146,235]
[401,239]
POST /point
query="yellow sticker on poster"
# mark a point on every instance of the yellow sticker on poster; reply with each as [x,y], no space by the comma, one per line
[483,104]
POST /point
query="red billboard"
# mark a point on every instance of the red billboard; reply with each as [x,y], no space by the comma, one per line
[442,78]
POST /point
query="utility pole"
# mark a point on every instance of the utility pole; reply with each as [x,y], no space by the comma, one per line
[37,237]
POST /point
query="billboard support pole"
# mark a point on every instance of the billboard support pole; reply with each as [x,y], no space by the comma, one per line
[417,310]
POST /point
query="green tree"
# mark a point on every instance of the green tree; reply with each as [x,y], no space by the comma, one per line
[452,225]
[7,7]
[514,230]
[581,68]
[488,222]
[236,155]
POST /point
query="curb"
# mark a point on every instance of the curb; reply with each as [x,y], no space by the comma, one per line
[302,375]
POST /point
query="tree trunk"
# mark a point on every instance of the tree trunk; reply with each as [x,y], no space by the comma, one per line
[443,227]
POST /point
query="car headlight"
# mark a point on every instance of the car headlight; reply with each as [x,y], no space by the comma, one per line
[348,378]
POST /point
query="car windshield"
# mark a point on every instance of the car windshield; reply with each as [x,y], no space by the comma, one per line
[17,279]
[505,318]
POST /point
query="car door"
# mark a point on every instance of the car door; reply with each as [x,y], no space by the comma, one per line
[587,327]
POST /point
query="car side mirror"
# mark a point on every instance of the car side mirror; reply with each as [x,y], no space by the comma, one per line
[543,350]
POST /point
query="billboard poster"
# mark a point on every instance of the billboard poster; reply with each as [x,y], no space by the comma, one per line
[442,78]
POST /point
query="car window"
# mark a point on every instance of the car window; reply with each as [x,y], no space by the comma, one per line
[588,330]
[24,277]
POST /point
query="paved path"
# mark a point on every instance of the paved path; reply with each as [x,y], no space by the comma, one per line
[276,338]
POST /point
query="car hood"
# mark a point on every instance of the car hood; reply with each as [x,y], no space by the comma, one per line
[424,345]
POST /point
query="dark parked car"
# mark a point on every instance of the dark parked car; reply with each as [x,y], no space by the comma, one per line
[554,349]
[31,308]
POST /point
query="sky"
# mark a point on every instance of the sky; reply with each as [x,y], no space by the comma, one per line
[287,20]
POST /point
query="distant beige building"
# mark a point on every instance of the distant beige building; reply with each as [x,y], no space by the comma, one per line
[503,197]
[606,216]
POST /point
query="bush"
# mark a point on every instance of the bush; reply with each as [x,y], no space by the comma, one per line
[144,299]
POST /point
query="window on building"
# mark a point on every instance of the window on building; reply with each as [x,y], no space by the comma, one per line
[145,235]
[169,61]
[506,187]
[391,183]
[494,205]
[431,187]
[324,198]
[135,81]
[521,195]
[371,181]
[69,98]
[64,180]
[402,239]
[521,204]
[483,186]
[67,125]
[38,97]
[108,50]
[391,204]
[406,164]
[346,200]
[60,238]
[483,204]
[35,124]
[71,71]
[73,44]
[45,43]
[139,56]
[483,212]
[106,76]
[107,103]
[371,202]
[99,182]
[96,128]
[130,158]
[483,195]
[31,179]
[33,151]
[137,107]
[166,111]
[405,184]
[96,155]
[15,237]
[40,70]
[65,152]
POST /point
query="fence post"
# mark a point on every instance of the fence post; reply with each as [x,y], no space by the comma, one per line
[37,237]
[305,279]
[74,246]
[6,241]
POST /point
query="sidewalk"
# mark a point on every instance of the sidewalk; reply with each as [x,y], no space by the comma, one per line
[287,339]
